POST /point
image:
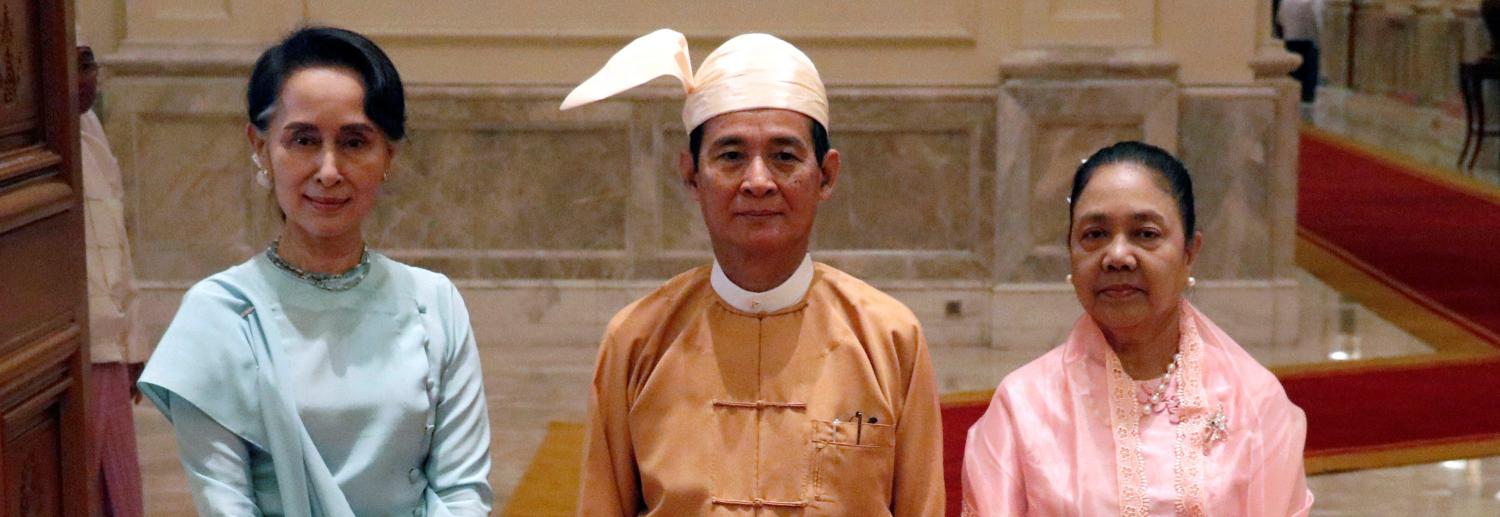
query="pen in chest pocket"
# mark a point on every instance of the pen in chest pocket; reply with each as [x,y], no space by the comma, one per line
[859,427]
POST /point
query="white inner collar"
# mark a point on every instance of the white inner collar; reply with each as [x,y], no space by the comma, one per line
[778,298]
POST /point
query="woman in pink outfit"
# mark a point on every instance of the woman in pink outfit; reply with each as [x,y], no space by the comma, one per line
[1148,408]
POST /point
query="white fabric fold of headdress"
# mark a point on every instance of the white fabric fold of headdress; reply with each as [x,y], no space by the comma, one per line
[749,71]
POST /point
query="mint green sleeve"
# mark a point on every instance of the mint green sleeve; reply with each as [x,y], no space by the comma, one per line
[216,461]
[458,464]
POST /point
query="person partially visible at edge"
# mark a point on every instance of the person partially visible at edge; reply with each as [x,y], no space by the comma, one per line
[1148,408]
[764,382]
[1301,25]
[115,353]
[321,378]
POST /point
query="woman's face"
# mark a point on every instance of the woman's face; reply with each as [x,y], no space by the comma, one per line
[326,158]
[1130,257]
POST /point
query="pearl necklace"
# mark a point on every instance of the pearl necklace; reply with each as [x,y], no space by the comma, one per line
[1157,400]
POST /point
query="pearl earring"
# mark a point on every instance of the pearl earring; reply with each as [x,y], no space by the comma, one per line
[1069,278]
[1192,281]
[262,177]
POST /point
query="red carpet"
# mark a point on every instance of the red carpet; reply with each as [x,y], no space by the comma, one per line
[1428,237]
[957,418]
[1433,242]
[1386,407]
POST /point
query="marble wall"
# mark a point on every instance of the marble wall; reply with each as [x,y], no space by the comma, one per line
[952,198]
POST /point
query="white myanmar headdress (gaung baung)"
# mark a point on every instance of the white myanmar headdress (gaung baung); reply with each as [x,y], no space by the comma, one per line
[747,72]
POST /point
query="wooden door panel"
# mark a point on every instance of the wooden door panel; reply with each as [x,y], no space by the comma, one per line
[33,455]
[41,238]
[24,154]
[41,416]
[45,456]
[19,81]
[31,460]
[29,306]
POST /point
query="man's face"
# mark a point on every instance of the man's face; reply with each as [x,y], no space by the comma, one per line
[88,78]
[758,181]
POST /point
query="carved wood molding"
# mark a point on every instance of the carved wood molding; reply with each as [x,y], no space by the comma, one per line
[47,357]
[34,200]
[16,164]
[33,411]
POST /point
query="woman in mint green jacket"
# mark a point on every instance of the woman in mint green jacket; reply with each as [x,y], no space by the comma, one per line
[320,378]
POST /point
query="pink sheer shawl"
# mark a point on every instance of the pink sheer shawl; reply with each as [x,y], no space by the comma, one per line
[1062,436]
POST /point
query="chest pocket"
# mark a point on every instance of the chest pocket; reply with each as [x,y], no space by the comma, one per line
[852,465]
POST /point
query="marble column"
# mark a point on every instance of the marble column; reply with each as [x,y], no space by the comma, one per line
[1267,158]
[1373,54]
[1474,38]
[1436,53]
[1333,42]
[1403,68]
[1056,107]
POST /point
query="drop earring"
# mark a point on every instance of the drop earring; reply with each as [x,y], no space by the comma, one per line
[1192,281]
[1069,278]
[262,176]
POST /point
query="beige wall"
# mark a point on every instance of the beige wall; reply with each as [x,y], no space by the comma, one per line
[1214,41]
[960,122]
[855,42]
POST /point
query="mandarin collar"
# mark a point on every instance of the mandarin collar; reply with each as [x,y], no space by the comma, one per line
[780,297]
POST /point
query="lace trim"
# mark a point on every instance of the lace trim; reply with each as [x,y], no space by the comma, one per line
[1193,435]
[1125,422]
[967,511]
[1193,414]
